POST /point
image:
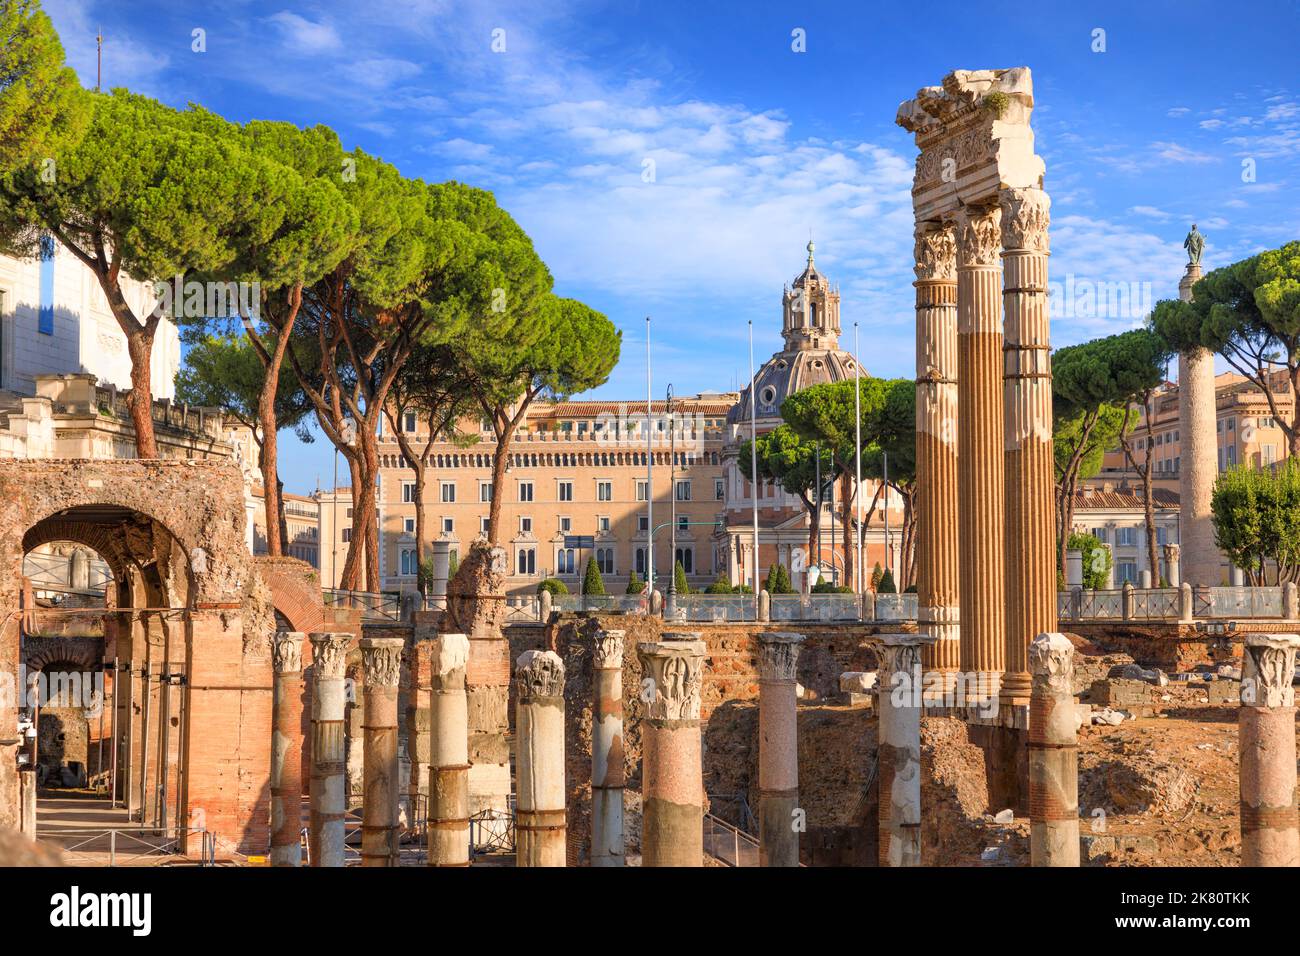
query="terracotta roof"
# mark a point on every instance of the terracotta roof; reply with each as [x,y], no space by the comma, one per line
[1162,497]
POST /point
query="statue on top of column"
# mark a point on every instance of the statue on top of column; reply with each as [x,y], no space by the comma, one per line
[1195,245]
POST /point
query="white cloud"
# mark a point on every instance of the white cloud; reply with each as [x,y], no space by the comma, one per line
[306,37]
[1177,153]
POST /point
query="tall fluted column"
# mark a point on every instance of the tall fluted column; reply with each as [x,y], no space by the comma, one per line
[1268,753]
[328,781]
[1027,401]
[1053,754]
[607,772]
[778,748]
[980,462]
[286,749]
[539,760]
[1198,451]
[937,516]
[672,772]
[448,751]
[900,750]
[381,660]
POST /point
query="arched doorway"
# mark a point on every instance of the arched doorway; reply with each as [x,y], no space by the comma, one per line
[189,689]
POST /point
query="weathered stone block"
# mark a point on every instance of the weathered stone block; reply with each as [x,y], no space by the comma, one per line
[1117,692]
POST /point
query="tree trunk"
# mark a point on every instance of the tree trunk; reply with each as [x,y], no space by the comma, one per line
[139,346]
[348,579]
[500,455]
[846,509]
[369,467]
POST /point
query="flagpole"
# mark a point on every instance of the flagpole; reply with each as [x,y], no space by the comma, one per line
[753,458]
[857,448]
[649,478]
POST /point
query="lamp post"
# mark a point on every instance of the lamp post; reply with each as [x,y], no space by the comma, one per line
[670,607]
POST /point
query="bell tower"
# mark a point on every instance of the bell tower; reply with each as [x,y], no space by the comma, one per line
[811,311]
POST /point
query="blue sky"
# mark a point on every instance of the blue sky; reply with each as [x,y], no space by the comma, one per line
[753,144]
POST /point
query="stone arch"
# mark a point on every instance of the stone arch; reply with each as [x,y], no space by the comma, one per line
[295,591]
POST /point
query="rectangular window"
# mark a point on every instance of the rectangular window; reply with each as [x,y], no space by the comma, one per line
[1099,534]
[602,524]
[408,525]
[525,525]
[718,491]
[448,492]
[641,486]
[485,492]
[408,423]
[408,563]
[408,492]
[527,561]
[604,491]
[347,535]
[642,523]
[483,523]
[448,525]
[684,490]
[525,491]
[566,491]
[605,560]
[564,561]
[566,525]
[45,315]
[1126,571]
[640,562]
[683,522]
[1125,537]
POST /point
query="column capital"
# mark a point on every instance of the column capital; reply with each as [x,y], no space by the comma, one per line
[900,653]
[607,652]
[935,252]
[447,652]
[778,655]
[1051,662]
[329,650]
[286,651]
[979,237]
[1026,215]
[671,685]
[539,674]
[1268,670]
[381,660]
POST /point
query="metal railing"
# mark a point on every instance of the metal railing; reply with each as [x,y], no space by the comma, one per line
[729,844]
[1171,604]
[492,830]
[373,605]
[716,607]
[130,846]
[626,603]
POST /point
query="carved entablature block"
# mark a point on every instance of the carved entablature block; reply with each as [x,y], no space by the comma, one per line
[539,674]
[381,660]
[286,651]
[671,680]
[329,652]
[607,653]
[974,137]
[778,655]
[1051,663]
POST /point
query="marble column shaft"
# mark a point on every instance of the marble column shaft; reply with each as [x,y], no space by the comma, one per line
[328,780]
[1053,754]
[540,828]
[672,773]
[937,515]
[900,749]
[1027,401]
[607,771]
[381,659]
[980,460]
[448,751]
[1198,450]
[286,749]
[1266,728]
[778,748]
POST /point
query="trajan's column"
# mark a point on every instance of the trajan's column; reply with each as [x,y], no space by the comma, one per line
[978,178]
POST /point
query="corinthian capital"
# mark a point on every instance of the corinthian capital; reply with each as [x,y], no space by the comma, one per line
[1051,662]
[979,240]
[381,660]
[539,674]
[671,676]
[608,651]
[1268,670]
[899,654]
[329,651]
[286,651]
[778,655]
[935,252]
[1026,214]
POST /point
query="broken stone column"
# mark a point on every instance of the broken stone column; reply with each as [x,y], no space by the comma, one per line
[1268,753]
[1030,469]
[607,773]
[540,831]
[900,750]
[448,752]
[980,461]
[937,578]
[1053,754]
[778,748]
[672,773]
[381,658]
[286,749]
[328,780]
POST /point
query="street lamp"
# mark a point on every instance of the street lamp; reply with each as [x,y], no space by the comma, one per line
[672,495]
